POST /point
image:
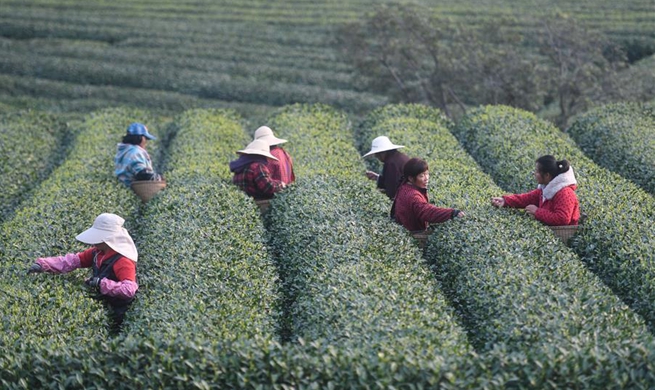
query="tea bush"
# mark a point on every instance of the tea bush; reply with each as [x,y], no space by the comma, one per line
[618,238]
[31,145]
[204,273]
[366,310]
[621,138]
[512,280]
[51,310]
[351,279]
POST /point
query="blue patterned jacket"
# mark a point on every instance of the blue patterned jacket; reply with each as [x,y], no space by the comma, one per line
[130,160]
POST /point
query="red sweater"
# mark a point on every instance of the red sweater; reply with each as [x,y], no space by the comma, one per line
[562,209]
[124,268]
[412,209]
[282,169]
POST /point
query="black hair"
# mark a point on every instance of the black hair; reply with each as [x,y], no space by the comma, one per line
[132,139]
[414,167]
[548,164]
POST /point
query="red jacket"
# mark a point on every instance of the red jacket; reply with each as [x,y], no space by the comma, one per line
[412,209]
[562,209]
[282,169]
[124,287]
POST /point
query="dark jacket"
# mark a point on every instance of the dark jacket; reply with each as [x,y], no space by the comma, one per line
[392,172]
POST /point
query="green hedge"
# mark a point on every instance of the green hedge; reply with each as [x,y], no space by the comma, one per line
[621,138]
[173,364]
[31,145]
[204,272]
[56,310]
[166,358]
[618,238]
[352,280]
[512,281]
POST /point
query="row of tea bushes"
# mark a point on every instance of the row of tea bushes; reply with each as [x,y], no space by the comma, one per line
[512,281]
[202,84]
[166,358]
[31,145]
[204,271]
[618,238]
[351,279]
[621,138]
[56,310]
[153,362]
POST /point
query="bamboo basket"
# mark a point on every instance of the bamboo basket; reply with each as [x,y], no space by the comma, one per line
[147,189]
[422,238]
[565,232]
[263,205]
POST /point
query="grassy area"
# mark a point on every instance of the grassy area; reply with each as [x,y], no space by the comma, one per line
[160,54]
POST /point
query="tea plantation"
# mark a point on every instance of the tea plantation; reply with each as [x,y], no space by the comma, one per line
[322,291]
[252,56]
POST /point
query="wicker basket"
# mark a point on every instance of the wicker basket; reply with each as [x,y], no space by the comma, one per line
[147,189]
[263,205]
[422,238]
[567,231]
[564,232]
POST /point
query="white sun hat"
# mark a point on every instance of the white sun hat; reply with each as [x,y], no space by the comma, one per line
[108,228]
[259,147]
[265,133]
[382,144]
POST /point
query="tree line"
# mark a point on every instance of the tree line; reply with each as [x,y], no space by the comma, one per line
[411,54]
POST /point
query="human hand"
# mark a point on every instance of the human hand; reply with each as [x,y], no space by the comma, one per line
[460,215]
[35,268]
[93,282]
[531,209]
[372,175]
[498,201]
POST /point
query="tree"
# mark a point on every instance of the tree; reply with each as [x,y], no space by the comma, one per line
[409,54]
[583,62]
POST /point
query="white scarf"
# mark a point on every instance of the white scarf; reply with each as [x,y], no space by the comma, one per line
[560,181]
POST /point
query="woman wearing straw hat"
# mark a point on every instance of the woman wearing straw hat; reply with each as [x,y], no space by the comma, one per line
[112,257]
[411,207]
[554,202]
[251,173]
[392,170]
[282,168]
[132,161]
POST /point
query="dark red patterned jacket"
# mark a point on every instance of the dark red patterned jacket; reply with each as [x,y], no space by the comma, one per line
[412,209]
[255,179]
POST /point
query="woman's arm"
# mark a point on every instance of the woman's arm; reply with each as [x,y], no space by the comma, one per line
[519,201]
[59,264]
[126,285]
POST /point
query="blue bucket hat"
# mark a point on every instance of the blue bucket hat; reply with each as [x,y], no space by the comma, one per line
[139,129]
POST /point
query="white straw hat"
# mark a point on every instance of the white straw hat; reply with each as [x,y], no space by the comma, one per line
[382,144]
[265,133]
[108,228]
[259,147]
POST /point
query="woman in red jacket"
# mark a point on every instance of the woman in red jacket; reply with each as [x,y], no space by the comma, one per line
[112,257]
[411,207]
[554,202]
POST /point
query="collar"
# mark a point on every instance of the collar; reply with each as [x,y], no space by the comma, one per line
[560,181]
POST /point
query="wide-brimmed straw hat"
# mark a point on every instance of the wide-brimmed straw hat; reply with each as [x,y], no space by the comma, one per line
[259,147]
[108,228]
[265,133]
[382,144]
